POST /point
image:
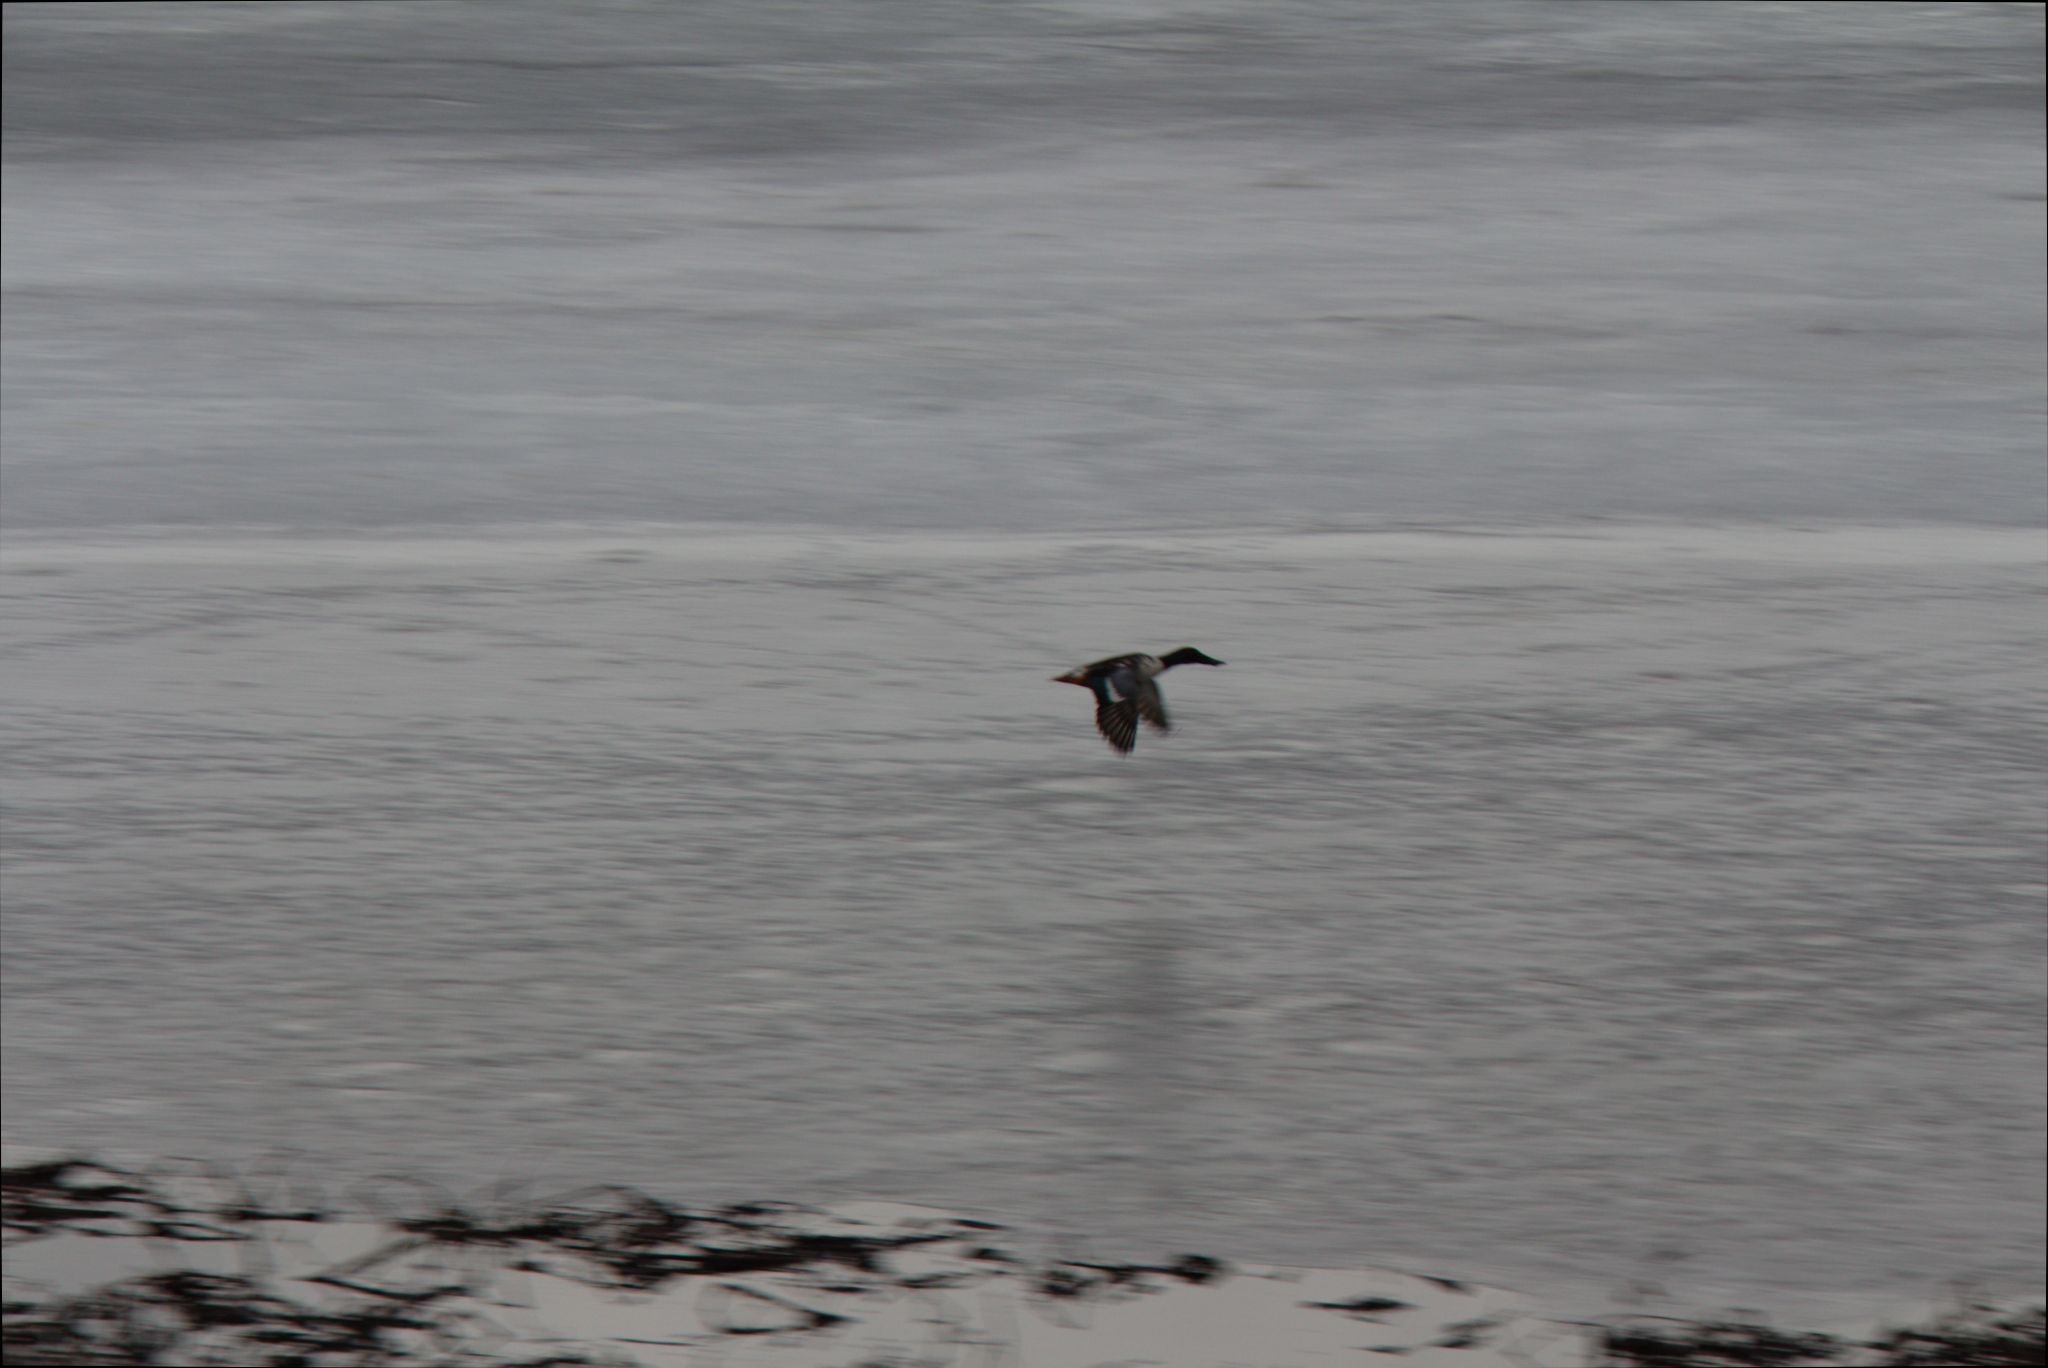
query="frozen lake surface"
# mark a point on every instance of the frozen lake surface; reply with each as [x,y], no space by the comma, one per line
[537,539]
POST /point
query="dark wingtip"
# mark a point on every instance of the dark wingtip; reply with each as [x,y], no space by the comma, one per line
[1118,723]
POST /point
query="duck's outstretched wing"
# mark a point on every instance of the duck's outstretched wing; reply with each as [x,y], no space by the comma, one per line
[1117,720]
[1151,705]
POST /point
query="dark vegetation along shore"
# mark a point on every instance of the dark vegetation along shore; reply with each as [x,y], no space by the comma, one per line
[181,1265]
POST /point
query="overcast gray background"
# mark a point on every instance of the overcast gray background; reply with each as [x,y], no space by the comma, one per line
[1606,441]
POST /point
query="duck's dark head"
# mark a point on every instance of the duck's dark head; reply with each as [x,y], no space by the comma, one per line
[1186,655]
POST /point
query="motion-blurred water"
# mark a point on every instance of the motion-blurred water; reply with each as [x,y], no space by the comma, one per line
[1650,886]
[1024,266]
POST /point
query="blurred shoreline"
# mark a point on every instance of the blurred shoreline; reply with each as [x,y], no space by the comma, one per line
[179,1257]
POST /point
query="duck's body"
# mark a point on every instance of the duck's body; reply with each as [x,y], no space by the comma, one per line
[1125,692]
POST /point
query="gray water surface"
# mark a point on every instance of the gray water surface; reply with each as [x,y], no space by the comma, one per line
[1031,266]
[1606,442]
[1550,908]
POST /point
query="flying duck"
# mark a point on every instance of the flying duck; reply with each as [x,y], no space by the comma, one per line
[1124,692]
